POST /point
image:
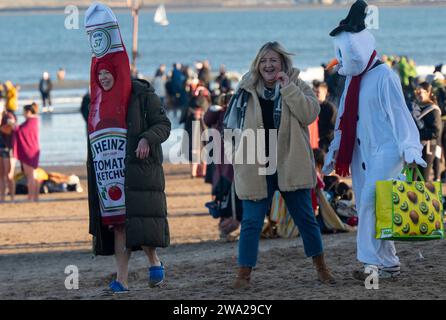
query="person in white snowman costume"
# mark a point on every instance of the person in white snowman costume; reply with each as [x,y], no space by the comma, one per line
[375,134]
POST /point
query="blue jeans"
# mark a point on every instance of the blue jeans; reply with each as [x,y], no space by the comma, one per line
[299,205]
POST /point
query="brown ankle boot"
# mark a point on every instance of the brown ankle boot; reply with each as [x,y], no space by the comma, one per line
[243,277]
[323,273]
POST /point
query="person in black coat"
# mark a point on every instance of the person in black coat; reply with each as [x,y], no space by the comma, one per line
[223,81]
[85,106]
[45,87]
[327,115]
[427,116]
[146,225]
[335,83]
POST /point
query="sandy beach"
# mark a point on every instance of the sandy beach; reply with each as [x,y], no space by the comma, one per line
[38,241]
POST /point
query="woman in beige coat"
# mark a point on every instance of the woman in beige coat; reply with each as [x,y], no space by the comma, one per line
[282,106]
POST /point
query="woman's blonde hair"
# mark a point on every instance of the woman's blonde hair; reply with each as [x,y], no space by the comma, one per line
[285,56]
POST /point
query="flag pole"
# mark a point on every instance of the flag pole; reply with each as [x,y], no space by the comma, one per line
[134,6]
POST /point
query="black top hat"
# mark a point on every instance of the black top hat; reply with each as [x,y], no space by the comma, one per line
[354,22]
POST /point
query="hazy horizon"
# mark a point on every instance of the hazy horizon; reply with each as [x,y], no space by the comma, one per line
[17,4]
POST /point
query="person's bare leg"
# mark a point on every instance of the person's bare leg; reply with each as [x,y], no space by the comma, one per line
[122,256]
[194,172]
[3,179]
[203,169]
[30,179]
[36,189]
[9,169]
[152,256]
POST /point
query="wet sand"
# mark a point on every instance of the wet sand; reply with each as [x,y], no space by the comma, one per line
[38,241]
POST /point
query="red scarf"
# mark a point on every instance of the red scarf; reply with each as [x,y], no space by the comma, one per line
[348,123]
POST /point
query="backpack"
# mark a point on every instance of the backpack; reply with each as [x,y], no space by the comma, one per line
[418,115]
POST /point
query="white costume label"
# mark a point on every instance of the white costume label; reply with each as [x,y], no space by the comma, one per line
[104,39]
[100,42]
[108,147]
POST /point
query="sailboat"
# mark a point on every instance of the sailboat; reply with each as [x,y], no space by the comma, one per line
[160,16]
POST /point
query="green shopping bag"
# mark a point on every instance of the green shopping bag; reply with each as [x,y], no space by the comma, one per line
[409,210]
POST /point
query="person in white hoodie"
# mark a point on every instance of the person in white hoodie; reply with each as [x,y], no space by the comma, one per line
[375,134]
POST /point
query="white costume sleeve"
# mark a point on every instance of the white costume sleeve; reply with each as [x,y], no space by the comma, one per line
[336,142]
[403,126]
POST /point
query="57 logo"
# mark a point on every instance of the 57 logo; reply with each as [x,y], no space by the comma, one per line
[100,42]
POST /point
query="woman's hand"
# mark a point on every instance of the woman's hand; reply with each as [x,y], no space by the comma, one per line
[143,149]
[283,78]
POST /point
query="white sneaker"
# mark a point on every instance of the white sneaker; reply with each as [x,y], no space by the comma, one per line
[363,273]
[51,109]
[383,272]
[389,272]
[45,109]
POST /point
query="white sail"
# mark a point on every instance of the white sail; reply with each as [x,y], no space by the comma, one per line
[160,16]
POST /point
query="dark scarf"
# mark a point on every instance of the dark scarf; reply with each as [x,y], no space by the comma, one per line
[272,94]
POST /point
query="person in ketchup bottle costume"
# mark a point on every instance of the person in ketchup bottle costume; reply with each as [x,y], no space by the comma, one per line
[126,126]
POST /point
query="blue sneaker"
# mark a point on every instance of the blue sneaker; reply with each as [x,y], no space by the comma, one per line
[117,287]
[156,275]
